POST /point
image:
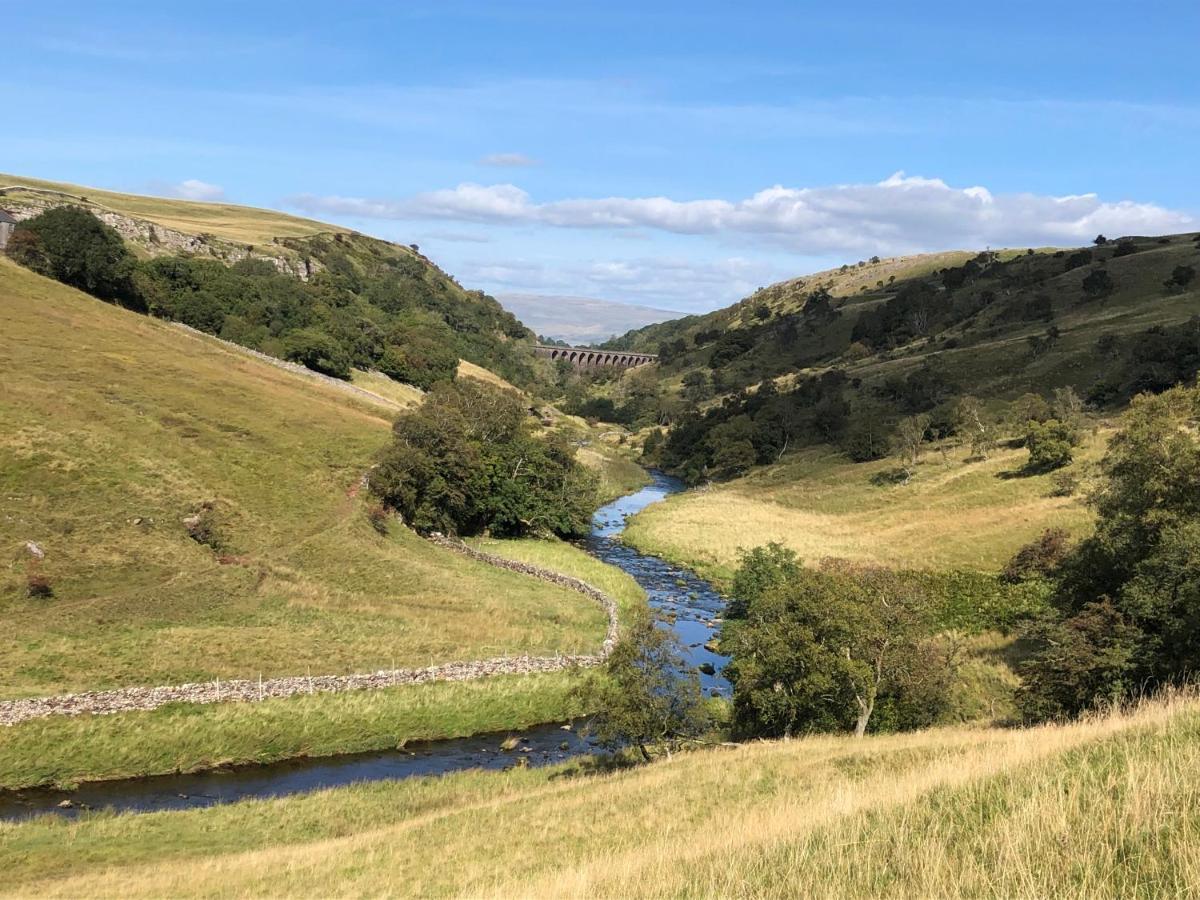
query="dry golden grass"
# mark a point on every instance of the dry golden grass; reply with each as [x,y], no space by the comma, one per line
[224,220]
[1102,808]
[468,369]
[378,383]
[952,515]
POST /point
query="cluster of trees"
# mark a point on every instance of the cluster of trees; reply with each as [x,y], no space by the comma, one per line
[469,459]
[1149,362]
[370,306]
[1126,598]
[834,649]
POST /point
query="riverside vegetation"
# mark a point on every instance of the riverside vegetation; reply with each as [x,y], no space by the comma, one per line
[198,516]
[822,419]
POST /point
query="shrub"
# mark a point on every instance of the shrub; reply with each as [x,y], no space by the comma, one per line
[37,586]
[1064,483]
[377,515]
[1039,557]
[203,527]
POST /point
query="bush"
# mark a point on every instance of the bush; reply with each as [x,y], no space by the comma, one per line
[203,527]
[1039,558]
[377,515]
[37,587]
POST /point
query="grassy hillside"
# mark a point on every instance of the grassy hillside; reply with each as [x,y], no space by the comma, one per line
[115,428]
[789,296]
[953,515]
[1102,808]
[242,224]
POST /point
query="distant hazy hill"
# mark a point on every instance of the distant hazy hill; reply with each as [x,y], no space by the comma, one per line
[580,320]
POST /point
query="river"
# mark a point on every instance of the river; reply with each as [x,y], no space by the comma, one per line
[690,607]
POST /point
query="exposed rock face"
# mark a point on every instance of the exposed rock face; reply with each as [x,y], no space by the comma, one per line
[247,691]
[158,240]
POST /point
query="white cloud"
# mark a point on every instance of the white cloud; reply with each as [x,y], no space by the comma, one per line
[508,160]
[195,189]
[901,214]
[670,283]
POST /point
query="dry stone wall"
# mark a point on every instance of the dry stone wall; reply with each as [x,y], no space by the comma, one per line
[249,691]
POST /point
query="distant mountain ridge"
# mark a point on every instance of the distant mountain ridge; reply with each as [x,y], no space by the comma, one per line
[580,320]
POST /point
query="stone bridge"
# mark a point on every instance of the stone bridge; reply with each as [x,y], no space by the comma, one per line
[585,358]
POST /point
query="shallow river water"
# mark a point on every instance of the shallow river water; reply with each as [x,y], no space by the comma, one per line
[690,606]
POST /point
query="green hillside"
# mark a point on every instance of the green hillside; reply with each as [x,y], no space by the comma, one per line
[1099,808]
[289,287]
[200,516]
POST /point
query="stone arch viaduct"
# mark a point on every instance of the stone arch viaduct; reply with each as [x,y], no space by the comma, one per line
[586,358]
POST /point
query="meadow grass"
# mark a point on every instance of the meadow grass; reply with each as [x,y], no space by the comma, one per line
[115,427]
[953,514]
[1100,808]
[560,556]
[184,737]
[377,383]
[224,220]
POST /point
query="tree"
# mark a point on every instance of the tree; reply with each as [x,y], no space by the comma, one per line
[71,245]
[1039,558]
[978,430]
[645,696]
[468,460]
[1181,277]
[317,351]
[1097,283]
[1100,240]
[760,570]
[734,459]
[696,386]
[908,440]
[1127,596]
[1049,444]
[823,651]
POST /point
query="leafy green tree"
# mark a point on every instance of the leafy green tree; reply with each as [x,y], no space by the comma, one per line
[760,570]
[1050,445]
[1181,277]
[315,350]
[734,459]
[468,459]
[71,245]
[823,651]
[645,697]
[1139,571]
[1097,283]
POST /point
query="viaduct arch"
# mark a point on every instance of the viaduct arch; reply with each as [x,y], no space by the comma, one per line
[588,358]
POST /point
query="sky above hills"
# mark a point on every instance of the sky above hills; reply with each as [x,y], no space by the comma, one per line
[667,154]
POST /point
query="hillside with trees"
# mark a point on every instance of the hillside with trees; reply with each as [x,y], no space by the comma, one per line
[327,298]
[941,353]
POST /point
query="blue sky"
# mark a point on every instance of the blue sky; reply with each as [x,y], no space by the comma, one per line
[674,155]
